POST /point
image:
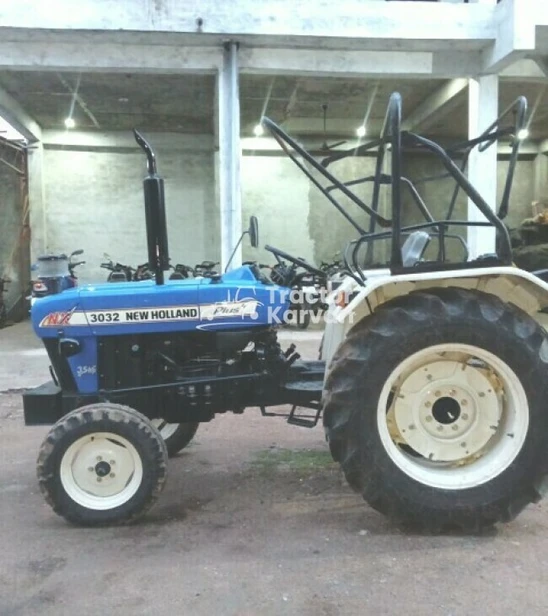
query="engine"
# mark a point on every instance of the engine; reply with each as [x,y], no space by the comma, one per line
[212,368]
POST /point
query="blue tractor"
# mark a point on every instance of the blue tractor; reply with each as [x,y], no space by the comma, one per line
[431,382]
[137,366]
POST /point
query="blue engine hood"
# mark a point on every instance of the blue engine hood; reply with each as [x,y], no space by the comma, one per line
[238,299]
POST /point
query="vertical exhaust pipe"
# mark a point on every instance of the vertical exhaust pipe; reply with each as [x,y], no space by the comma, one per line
[155,213]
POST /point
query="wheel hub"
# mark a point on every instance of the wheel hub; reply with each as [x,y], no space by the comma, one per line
[448,410]
[102,469]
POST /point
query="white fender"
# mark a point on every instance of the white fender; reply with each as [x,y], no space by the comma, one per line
[351,302]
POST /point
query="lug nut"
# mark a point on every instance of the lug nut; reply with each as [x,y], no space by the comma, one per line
[112,475]
[463,402]
[112,462]
[482,394]
[465,416]
[463,444]
[428,405]
[99,479]
[438,394]
[411,426]
[90,469]
[454,427]
[452,392]
[440,428]
[99,458]
[429,418]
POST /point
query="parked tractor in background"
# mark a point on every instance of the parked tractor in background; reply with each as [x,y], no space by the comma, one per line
[432,380]
[126,273]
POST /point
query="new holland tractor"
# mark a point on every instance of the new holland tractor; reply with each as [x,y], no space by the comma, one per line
[431,384]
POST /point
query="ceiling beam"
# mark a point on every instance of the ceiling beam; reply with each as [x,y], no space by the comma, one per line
[525,69]
[328,62]
[542,65]
[13,113]
[435,105]
[107,57]
[515,38]
[59,56]
[352,20]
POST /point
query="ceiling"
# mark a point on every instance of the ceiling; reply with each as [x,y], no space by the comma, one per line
[186,103]
[115,101]
[298,101]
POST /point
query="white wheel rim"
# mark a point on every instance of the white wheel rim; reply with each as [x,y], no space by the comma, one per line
[165,429]
[462,447]
[101,471]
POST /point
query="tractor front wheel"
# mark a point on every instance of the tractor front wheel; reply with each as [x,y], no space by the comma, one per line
[176,435]
[102,464]
[435,406]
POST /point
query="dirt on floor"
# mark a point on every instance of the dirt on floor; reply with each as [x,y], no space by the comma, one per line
[255,520]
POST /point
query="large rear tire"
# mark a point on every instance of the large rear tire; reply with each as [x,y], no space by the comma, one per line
[435,406]
[102,464]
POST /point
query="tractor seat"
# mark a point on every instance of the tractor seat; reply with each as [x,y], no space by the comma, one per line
[413,248]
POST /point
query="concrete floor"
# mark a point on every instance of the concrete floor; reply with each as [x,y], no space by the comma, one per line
[254,520]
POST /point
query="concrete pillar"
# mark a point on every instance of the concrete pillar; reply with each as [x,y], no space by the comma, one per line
[229,156]
[482,166]
[540,192]
[37,202]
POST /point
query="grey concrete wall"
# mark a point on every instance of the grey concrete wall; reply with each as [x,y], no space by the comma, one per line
[541,178]
[523,190]
[293,213]
[275,191]
[10,230]
[94,201]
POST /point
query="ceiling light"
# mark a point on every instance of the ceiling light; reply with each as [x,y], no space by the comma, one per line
[360,131]
[523,134]
[70,123]
[258,131]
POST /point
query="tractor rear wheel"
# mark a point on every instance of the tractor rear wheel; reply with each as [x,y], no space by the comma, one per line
[176,436]
[102,464]
[435,406]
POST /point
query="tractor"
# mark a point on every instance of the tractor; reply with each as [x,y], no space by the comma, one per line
[431,382]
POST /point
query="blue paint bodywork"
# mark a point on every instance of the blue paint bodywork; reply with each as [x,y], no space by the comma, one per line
[111,309]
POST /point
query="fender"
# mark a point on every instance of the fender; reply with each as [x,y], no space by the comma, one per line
[510,284]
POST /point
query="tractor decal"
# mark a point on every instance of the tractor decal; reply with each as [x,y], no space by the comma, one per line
[208,312]
[57,319]
[223,310]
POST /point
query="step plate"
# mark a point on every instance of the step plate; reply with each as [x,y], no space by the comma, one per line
[308,386]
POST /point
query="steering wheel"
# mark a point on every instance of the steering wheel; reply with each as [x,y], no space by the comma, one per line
[280,254]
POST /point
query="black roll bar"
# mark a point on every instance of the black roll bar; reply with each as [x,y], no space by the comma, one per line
[392,138]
